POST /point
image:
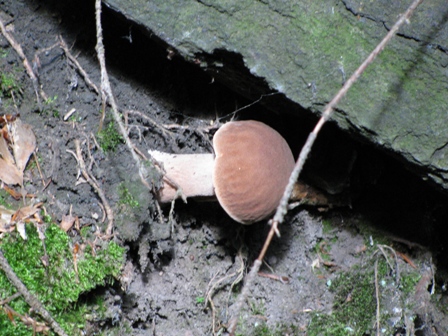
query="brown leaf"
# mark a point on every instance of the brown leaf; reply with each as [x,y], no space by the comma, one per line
[4,152]
[9,173]
[67,222]
[26,212]
[5,219]
[24,143]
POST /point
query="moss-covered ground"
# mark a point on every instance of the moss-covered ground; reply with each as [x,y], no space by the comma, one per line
[49,272]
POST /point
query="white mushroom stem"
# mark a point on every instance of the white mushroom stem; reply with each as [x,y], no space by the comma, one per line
[186,175]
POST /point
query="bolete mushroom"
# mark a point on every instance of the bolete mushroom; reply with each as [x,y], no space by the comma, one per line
[248,173]
[252,167]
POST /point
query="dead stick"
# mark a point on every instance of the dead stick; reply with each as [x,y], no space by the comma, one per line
[107,90]
[377,296]
[92,181]
[282,209]
[29,298]
[76,63]
[16,46]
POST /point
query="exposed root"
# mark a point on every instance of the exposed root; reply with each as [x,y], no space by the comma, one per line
[215,284]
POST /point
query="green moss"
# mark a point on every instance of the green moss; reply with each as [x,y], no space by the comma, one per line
[354,304]
[109,138]
[408,282]
[57,286]
[9,84]
[4,199]
[277,330]
[126,197]
[326,226]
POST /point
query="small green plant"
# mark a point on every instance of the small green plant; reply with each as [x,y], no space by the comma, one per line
[50,107]
[126,197]
[4,53]
[257,308]
[200,299]
[9,84]
[109,138]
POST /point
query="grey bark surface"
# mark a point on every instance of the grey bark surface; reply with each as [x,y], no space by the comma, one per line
[307,49]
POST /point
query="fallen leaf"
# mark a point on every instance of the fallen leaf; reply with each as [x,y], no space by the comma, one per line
[9,173]
[21,229]
[26,212]
[5,219]
[4,152]
[24,143]
[67,222]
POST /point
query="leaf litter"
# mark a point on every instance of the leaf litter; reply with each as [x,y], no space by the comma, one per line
[17,143]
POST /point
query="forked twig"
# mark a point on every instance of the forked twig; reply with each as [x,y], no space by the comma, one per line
[282,209]
[106,93]
[28,296]
[29,70]
[73,59]
[94,183]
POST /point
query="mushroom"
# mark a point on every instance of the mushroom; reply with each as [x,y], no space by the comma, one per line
[252,167]
[248,173]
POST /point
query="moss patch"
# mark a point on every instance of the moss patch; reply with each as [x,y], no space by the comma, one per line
[57,286]
[109,138]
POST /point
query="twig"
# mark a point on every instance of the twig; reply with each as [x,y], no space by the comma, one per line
[396,268]
[29,70]
[9,299]
[162,128]
[282,209]
[29,298]
[94,183]
[76,63]
[377,295]
[106,92]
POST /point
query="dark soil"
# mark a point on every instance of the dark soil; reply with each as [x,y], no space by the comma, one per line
[172,265]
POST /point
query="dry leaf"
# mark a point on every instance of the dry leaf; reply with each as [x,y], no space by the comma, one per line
[9,173]
[4,152]
[5,219]
[24,143]
[21,230]
[67,222]
[26,212]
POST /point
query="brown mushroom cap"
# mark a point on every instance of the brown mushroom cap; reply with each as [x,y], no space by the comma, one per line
[252,167]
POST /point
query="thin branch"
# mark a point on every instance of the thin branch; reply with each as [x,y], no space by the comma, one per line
[106,92]
[377,296]
[76,63]
[29,70]
[29,298]
[90,179]
[282,209]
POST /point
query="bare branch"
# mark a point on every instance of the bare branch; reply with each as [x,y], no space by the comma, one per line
[106,91]
[29,70]
[282,209]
